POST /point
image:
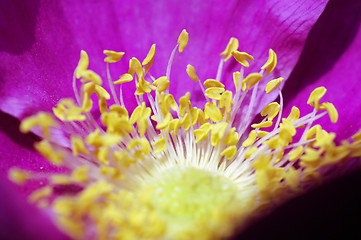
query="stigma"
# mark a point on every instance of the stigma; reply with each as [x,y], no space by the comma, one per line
[169,169]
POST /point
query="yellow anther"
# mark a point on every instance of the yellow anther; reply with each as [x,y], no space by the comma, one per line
[203,132]
[96,140]
[182,40]
[236,79]
[101,92]
[218,131]
[232,137]
[201,117]
[78,146]
[261,134]
[140,115]
[112,172]
[112,56]
[262,124]
[273,143]
[186,122]
[143,86]
[67,111]
[231,46]
[249,152]
[170,102]
[267,176]
[251,139]
[121,111]
[271,62]
[252,79]
[310,155]
[313,131]
[226,101]
[174,125]
[124,78]
[332,111]
[150,56]
[102,105]
[271,85]
[214,92]
[18,176]
[194,115]
[159,145]
[357,136]
[87,103]
[212,111]
[192,73]
[80,174]
[185,104]
[279,156]
[315,97]
[44,120]
[135,67]
[163,124]
[124,159]
[47,151]
[137,113]
[40,193]
[82,65]
[271,110]
[102,155]
[142,143]
[91,76]
[229,152]
[287,124]
[213,83]
[324,139]
[161,83]
[285,136]
[242,57]
[292,178]
[294,114]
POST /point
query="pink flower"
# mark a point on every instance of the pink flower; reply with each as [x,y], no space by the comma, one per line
[40,50]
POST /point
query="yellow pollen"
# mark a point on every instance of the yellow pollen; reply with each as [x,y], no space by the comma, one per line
[124,78]
[231,46]
[82,65]
[174,169]
[182,40]
[112,56]
[252,79]
[242,57]
[271,110]
[213,83]
[271,63]
[315,97]
[18,176]
[192,73]
[273,84]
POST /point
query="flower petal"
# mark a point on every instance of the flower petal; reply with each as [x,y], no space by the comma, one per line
[16,149]
[19,220]
[331,59]
[37,70]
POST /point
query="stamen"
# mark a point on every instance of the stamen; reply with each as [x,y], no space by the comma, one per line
[134,169]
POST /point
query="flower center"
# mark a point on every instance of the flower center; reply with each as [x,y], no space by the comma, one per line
[186,197]
[175,171]
[187,192]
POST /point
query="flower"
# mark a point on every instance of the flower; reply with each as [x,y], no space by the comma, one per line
[59,113]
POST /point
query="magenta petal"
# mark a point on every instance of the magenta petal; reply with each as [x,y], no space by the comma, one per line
[16,149]
[37,70]
[332,59]
[19,220]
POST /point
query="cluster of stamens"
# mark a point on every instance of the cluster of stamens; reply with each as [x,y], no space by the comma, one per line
[125,167]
